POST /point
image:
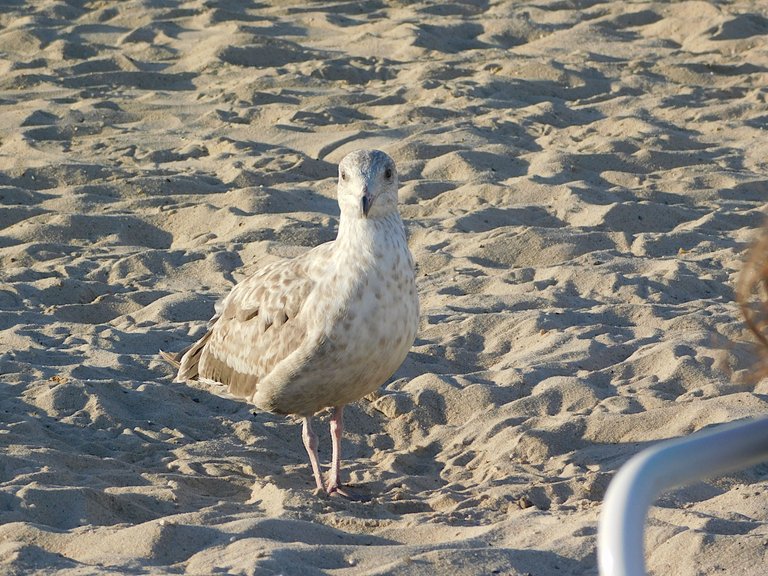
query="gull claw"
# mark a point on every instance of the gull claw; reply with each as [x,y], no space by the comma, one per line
[342,492]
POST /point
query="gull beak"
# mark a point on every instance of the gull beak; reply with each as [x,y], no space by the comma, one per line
[366,202]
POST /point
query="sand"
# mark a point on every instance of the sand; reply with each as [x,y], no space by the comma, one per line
[580,181]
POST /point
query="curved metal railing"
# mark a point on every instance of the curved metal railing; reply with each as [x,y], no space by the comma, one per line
[666,465]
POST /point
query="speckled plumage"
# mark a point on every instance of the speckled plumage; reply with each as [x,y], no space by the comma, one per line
[325,328]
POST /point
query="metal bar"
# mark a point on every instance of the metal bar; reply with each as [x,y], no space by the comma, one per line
[667,465]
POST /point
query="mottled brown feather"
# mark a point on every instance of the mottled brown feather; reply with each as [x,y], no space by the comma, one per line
[258,325]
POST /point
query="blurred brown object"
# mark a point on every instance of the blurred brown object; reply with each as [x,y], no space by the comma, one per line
[752,296]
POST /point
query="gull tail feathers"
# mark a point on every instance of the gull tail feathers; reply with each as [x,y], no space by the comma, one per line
[187,360]
[172,359]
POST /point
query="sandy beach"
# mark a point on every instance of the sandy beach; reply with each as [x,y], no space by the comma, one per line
[580,182]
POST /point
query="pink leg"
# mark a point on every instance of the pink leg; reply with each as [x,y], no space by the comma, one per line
[337,429]
[310,443]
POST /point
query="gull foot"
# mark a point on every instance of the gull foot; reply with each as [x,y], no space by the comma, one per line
[344,492]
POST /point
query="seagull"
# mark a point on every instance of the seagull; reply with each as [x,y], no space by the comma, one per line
[325,328]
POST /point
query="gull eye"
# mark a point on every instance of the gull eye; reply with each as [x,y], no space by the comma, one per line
[343,175]
[388,173]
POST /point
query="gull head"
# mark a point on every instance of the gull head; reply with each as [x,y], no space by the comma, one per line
[367,184]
